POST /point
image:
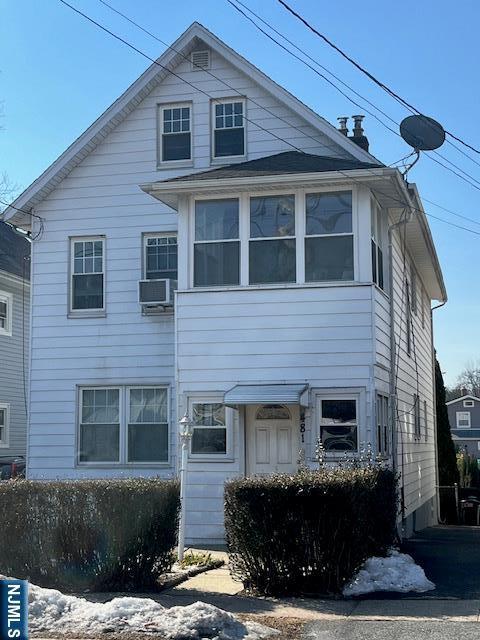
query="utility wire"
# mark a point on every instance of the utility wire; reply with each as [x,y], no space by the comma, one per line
[468,178]
[379,83]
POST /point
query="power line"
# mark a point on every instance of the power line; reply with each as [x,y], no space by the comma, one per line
[137,50]
[27,213]
[383,86]
[468,178]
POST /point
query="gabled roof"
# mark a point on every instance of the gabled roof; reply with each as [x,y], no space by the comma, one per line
[13,249]
[286,163]
[467,397]
[129,100]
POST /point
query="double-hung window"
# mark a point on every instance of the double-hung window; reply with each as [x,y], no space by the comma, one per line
[4,424]
[463,419]
[6,300]
[161,256]
[383,429]
[209,429]
[175,132]
[329,237]
[87,274]
[228,128]
[339,424]
[376,246]
[216,252]
[123,425]
[272,254]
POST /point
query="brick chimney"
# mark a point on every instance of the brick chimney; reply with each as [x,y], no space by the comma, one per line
[358,135]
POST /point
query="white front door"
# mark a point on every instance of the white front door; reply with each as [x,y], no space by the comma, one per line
[272,439]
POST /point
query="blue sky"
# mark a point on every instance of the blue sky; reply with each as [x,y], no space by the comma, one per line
[58,73]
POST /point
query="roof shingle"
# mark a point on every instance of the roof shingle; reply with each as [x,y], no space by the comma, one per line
[13,248]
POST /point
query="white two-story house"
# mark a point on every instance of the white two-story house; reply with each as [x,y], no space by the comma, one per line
[212,247]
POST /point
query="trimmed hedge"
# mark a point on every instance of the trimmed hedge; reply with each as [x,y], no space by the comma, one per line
[310,532]
[103,535]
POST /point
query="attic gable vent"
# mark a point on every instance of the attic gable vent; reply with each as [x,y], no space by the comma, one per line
[200,60]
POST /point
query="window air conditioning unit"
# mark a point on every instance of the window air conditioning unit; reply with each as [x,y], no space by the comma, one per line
[156,293]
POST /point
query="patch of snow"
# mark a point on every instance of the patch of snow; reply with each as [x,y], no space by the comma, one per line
[397,572]
[52,611]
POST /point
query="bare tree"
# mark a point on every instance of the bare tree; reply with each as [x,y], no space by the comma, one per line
[469,378]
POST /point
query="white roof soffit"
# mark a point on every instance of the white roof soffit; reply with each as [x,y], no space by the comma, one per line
[243,394]
[127,102]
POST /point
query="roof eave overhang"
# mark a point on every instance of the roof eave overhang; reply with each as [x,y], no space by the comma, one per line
[171,192]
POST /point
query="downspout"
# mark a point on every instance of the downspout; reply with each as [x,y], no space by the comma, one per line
[435,442]
[393,391]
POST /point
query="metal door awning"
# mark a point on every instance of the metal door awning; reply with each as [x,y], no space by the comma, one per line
[243,394]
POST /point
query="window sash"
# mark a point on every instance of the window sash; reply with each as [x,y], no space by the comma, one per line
[175,128]
[126,433]
[4,424]
[228,125]
[170,256]
[6,301]
[343,436]
[214,425]
[463,416]
[87,270]
[383,426]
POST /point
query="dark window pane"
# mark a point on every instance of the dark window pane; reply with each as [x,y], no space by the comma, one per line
[329,213]
[339,411]
[380,268]
[374,261]
[99,443]
[229,142]
[272,216]
[176,147]
[209,441]
[161,259]
[216,263]
[87,291]
[272,261]
[216,219]
[336,438]
[329,258]
[147,442]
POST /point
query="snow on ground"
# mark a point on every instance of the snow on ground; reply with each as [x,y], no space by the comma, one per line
[51,611]
[397,572]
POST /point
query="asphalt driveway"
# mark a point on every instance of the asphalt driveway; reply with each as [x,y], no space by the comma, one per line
[450,557]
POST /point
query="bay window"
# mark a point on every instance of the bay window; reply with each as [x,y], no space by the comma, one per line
[272,253]
[329,237]
[123,425]
[217,246]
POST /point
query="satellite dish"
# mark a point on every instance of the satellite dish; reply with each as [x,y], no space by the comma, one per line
[422,133]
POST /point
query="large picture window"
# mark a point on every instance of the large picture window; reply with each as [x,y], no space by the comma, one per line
[338,424]
[209,429]
[272,254]
[329,237]
[217,246]
[228,128]
[123,425]
[175,133]
[87,274]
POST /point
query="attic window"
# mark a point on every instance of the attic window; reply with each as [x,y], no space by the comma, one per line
[200,60]
[468,403]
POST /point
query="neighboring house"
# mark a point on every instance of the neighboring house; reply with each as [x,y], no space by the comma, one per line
[464,417]
[275,225]
[14,339]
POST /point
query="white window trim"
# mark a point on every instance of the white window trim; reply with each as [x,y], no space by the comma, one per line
[225,159]
[355,393]
[7,297]
[154,234]
[229,426]
[471,403]
[5,442]
[244,237]
[124,398]
[185,162]
[86,313]
[458,418]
